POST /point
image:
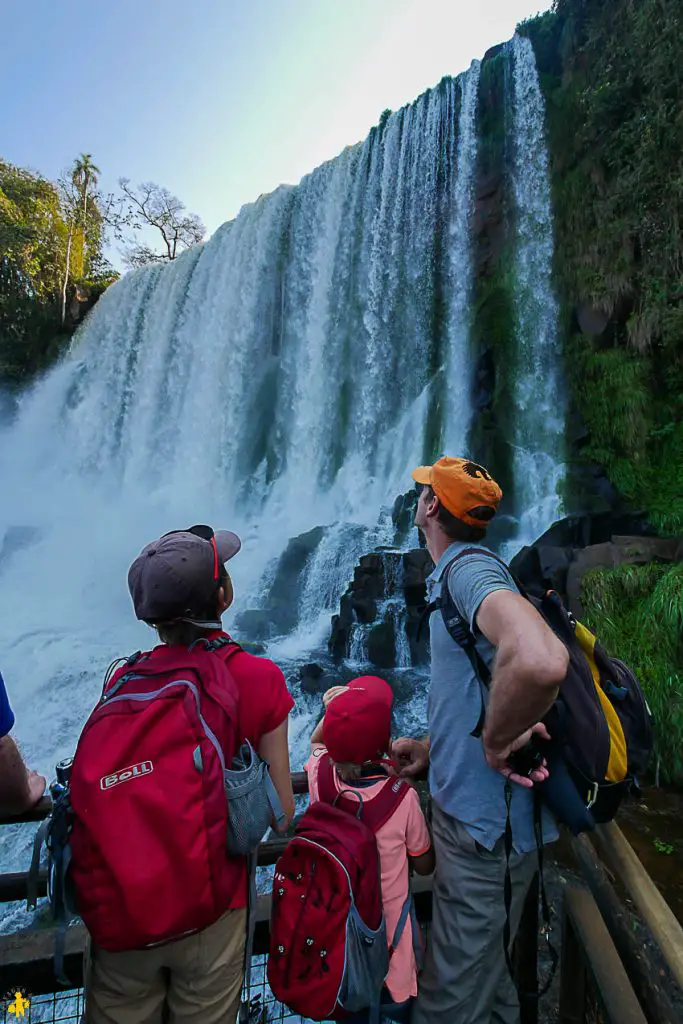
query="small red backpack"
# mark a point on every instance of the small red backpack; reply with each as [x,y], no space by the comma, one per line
[149,810]
[328,943]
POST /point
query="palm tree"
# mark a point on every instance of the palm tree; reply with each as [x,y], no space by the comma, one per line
[84,173]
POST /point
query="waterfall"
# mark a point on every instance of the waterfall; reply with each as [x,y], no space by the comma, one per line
[540,407]
[281,380]
[461,270]
[277,378]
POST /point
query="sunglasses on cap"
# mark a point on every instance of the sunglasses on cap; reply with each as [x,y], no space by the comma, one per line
[206,533]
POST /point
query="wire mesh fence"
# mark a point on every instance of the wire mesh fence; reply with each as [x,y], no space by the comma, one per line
[67,1007]
[54,1008]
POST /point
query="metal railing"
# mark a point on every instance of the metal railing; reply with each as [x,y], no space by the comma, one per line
[602,963]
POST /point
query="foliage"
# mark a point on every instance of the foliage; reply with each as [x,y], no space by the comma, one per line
[150,205]
[614,95]
[50,245]
[637,613]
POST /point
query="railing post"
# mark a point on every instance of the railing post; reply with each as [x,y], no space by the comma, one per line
[634,954]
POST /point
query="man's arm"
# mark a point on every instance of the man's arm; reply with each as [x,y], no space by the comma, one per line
[20,788]
[529,666]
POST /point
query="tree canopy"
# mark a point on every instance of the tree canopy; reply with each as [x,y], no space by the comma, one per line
[53,240]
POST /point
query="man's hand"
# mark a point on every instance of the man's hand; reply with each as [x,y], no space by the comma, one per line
[20,788]
[498,759]
[36,788]
[412,756]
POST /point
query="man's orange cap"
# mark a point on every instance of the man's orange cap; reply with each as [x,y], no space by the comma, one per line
[465,489]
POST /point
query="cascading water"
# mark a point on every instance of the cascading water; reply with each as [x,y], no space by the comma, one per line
[282,377]
[461,271]
[539,416]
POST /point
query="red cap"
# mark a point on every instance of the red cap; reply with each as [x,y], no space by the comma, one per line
[357,725]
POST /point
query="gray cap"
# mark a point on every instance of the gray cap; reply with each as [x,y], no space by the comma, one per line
[176,576]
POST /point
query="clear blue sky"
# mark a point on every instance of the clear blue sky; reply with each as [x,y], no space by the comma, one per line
[220,100]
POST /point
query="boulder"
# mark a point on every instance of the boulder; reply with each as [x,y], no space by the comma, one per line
[312,678]
[364,607]
[382,645]
[255,624]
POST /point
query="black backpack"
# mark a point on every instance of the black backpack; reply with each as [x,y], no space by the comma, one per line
[600,727]
[600,723]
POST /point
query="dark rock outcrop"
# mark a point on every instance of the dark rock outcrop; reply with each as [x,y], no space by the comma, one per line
[280,613]
[573,546]
[381,578]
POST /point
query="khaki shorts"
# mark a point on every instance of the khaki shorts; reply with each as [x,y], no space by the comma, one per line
[196,980]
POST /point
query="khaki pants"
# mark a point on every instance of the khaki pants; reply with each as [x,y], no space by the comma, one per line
[195,980]
[466,980]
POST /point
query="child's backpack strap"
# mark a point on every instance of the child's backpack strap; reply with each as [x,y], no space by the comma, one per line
[373,813]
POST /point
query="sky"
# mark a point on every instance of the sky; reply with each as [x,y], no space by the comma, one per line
[222,100]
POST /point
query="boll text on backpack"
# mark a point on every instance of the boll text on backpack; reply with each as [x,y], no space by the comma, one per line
[328,943]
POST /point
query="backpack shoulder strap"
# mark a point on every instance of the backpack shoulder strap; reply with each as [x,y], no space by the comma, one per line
[459,630]
[327,791]
[374,813]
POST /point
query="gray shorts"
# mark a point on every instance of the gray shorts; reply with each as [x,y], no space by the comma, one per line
[465,979]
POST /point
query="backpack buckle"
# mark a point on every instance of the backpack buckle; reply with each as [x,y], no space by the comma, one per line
[592,795]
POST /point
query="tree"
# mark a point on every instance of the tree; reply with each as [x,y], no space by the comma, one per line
[51,240]
[151,205]
[80,202]
[33,236]
[85,177]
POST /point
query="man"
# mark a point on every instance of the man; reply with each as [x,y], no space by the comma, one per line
[180,586]
[20,788]
[466,980]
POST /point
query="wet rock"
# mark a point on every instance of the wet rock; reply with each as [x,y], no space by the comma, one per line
[342,625]
[382,645]
[364,607]
[312,678]
[281,608]
[254,624]
[484,381]
[403,514]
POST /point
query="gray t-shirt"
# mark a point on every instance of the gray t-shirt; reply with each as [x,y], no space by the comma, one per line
[460,780]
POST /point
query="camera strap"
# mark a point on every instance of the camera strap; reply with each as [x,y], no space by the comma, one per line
[507,896]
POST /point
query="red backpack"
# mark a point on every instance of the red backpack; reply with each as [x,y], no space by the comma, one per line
[328,943]
[149,811]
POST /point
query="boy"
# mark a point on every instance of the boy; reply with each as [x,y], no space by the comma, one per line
[356,733]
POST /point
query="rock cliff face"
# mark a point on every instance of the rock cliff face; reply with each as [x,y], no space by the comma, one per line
[558,560]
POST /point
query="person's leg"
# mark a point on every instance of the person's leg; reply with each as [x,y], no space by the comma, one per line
[206,973]
[124,988]
[465,967]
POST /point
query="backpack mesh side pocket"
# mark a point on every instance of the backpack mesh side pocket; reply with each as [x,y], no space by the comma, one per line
[252,801]
[367,964]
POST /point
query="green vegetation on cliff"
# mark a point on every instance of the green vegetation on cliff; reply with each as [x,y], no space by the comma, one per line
[53,237]
[50,262]
[637,612]
[613,81]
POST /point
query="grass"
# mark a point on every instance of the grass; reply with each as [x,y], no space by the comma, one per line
[637,613]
